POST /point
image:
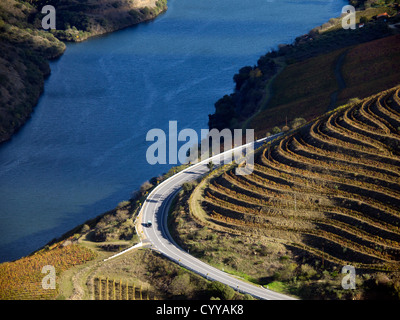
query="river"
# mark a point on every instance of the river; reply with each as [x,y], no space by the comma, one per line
[84,149]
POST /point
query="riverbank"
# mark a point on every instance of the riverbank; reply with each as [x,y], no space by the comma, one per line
[300,80]
[25,48]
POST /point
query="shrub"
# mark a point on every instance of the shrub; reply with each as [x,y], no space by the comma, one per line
[85,228]
[187,187]
[297,122]
[180,285]
[145,11]
[145,186]
[275,130]
[222,291]
[161,4]
[123,204]
[307,271]
[286,273]
[135,15]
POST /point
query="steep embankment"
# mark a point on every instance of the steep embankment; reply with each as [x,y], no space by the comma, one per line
[25,47]
[331,189]
[79,20]
[319,71]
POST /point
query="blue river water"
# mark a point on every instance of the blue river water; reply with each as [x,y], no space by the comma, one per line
[84,149]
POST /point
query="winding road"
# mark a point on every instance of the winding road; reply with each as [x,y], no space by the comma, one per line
[156,209]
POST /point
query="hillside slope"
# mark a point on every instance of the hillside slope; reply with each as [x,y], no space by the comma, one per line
[330,189]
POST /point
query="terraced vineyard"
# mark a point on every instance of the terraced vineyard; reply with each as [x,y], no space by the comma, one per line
[330,189]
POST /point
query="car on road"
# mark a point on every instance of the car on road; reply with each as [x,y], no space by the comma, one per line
[148,223]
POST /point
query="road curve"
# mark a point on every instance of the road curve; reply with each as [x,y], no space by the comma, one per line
[156,208]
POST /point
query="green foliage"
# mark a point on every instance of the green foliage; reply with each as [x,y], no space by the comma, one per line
[85,228]
[297,122]
[275,130]
[187,187]
[135,14]
[222,291]
[307,272]
[145,11]
[210,165]
[161,4]
[287,272]
[277,286]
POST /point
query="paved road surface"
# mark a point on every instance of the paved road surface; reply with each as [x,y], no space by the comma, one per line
[156,209]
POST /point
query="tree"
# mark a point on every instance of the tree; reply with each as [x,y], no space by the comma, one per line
[85,228]
[187,187]
[145,186]
[241,77]
[275,130]
[210,165]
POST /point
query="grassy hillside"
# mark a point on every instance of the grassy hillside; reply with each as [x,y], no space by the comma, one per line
[329,192]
